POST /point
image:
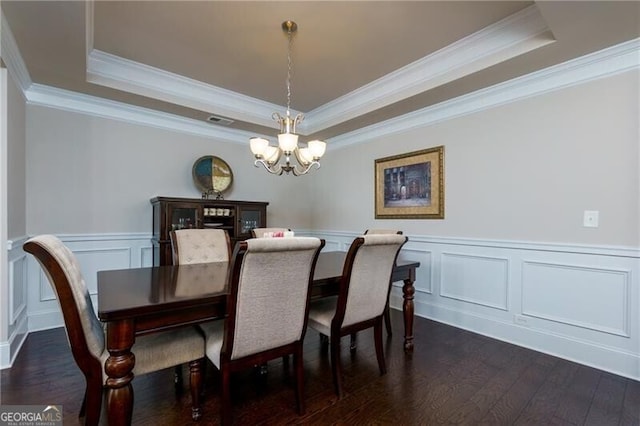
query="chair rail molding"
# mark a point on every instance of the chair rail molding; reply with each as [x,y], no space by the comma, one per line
[578,302]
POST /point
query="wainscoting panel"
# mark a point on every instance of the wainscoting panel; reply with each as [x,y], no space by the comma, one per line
[475,279]
[17,288]
[580,303]
[18,304]
[593,298]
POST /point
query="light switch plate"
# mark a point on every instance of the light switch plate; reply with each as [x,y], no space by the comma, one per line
[591,218]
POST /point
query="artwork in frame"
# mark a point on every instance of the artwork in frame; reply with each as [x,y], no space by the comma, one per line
[411,185]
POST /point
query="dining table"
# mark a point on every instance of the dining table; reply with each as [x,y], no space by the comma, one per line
[137,301]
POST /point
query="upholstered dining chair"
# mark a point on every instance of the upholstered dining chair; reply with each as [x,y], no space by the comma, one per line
[190,246]
[267,308]
[200,246]
[260,232]
[86,336]
[363,295]
[387,312]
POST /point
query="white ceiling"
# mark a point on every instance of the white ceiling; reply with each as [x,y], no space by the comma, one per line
[354,63]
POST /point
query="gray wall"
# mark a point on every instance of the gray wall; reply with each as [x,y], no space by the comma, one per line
[523,171]
[93,175]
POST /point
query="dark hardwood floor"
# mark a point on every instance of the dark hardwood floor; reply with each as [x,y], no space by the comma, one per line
[454,377]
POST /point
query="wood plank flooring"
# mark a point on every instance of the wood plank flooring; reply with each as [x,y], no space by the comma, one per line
[454,377]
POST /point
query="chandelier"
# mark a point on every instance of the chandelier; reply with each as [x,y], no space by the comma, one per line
[269,155]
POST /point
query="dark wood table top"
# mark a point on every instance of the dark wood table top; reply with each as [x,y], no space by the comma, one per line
[128,293]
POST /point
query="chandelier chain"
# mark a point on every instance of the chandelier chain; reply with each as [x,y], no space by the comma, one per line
[289,35]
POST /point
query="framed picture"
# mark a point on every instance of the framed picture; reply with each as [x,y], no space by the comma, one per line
[411,186]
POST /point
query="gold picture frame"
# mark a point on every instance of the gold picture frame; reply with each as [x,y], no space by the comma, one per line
[411,185]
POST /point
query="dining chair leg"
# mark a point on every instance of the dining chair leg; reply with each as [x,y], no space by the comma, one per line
[298,366]
[93,401]
[377,335]
[225,409]
[336,366]
[195,383]
[387,319]
[324,343]
[83,407]
[353,343]
[177,378]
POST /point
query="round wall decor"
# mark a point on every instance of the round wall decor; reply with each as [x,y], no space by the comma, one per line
[212,175]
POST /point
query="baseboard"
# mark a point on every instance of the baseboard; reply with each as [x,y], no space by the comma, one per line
[45,320]
[9,349]
[587,353]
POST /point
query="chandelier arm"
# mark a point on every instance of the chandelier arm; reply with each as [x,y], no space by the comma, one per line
[305,170]
[275,171]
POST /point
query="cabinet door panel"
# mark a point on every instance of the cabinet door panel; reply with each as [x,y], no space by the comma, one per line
[249,218]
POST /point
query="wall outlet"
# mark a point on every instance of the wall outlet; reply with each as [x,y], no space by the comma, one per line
[591,218]
[521,320]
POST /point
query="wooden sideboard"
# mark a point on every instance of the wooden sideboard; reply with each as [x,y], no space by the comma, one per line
[238,218]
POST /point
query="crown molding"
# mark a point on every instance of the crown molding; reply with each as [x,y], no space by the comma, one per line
[605,63]
[11,56]
[119,73]
[519,33]
[133,77]
[51,97]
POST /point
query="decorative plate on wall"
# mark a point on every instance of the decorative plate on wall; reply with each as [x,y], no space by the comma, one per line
[212,175]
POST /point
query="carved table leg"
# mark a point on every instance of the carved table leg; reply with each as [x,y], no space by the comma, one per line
[119,367]
[195,371]
[407,308]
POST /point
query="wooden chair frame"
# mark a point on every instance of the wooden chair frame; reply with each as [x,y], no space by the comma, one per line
[90,366]
[337,330]
[229,366]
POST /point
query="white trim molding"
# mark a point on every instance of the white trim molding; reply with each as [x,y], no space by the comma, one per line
[133,77]
[519,33]
[607,62]
[582,303]
[585,308]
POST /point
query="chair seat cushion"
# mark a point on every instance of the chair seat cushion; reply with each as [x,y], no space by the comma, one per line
[214,336]
[321,313]
[157,351]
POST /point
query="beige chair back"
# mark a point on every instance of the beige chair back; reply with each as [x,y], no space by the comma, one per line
[84,330]
[369,277]
[200,246]
[259,232]
[270,288]
[382,231]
